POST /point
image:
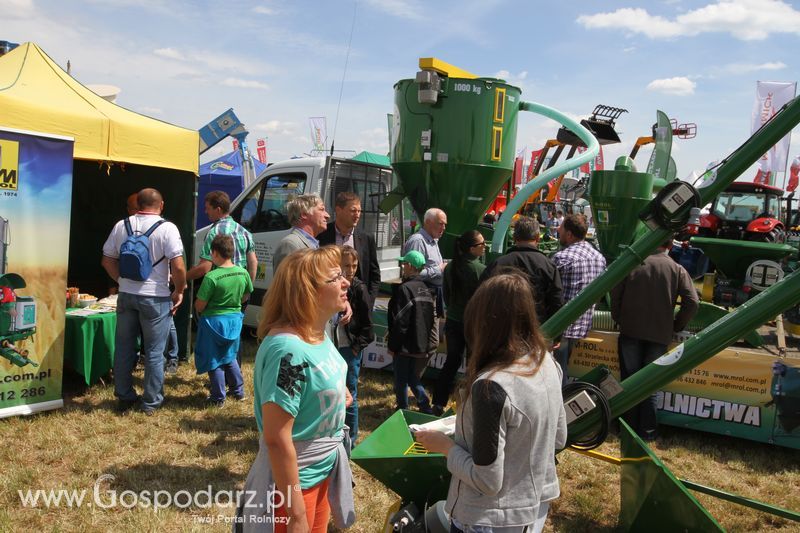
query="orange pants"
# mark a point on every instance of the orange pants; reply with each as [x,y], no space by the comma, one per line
[318,510]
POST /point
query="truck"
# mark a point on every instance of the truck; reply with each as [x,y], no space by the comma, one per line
[261,209]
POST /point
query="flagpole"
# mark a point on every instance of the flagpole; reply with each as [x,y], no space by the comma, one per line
[789,148]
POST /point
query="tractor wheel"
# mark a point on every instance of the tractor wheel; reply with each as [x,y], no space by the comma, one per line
[777,235]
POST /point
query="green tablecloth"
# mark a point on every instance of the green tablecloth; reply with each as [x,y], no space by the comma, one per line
[89,344]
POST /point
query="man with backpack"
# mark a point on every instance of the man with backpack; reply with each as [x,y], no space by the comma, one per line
[139,253]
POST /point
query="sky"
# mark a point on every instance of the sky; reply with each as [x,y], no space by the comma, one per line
[277,63]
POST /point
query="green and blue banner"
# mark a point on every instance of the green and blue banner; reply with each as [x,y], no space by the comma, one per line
[35,199]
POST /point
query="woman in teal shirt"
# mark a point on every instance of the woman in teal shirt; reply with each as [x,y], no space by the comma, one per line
[300,397]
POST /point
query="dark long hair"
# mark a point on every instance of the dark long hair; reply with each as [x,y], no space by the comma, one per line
[501,327]
[464,242]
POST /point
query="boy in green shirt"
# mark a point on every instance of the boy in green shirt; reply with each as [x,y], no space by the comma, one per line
[219,306]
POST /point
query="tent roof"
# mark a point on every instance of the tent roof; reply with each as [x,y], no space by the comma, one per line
[37,95]
[376,159]
[229,164]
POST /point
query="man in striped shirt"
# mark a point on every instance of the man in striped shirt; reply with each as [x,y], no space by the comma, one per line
[578,263]
[218,206]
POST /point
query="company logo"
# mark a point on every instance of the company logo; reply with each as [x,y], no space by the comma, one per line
[223,166]
[9,165]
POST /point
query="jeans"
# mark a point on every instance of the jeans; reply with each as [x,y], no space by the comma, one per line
[562,356]
[228,374]
[405,375]
[635,354]
[456,344]
[353,361]
[152,315]
[171,347]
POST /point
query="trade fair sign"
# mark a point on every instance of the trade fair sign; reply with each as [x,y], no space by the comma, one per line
[745,393]
[35,199]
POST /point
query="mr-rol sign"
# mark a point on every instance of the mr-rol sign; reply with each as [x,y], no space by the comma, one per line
[9,165]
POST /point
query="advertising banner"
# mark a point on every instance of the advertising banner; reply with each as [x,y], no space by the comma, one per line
[770,97]
[745,393]
[319,132]
[35,199]
[261,150]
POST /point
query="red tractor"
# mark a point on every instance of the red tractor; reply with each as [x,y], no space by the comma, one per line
[745,211]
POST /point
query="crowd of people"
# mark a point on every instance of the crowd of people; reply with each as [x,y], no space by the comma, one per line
[317,319]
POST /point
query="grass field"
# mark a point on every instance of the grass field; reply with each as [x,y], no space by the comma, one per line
[188,447]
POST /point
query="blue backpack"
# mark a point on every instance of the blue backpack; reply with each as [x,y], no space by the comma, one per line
[134,255]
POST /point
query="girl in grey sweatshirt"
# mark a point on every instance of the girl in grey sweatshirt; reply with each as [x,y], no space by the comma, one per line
[512,419]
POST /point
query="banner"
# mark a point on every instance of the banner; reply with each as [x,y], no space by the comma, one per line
[595,164]
[794,174]
[235,144]
[319,133]
[744,393]
[535,156]
[35,199]
[261,150]
[770,97]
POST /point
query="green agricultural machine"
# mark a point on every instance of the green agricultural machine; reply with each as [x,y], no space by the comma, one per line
[452,158]
[17,313]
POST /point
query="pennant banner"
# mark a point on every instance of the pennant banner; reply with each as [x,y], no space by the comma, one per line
[770,97]
[261,150]
[319,133]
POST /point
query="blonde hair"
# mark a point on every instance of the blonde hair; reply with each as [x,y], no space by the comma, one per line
[291,300]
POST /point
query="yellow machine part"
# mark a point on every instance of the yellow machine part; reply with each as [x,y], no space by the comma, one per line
[707,292]
[445,69]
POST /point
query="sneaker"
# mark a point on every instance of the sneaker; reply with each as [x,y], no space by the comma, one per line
[437,410]
[211,402]
[171,368]
[148,412]
[240,398]
[425,409]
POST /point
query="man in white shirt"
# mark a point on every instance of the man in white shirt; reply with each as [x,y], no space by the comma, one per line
[146,304]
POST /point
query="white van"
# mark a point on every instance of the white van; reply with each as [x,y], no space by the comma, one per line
[261,208]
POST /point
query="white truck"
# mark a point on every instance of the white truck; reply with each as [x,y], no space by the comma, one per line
[261,208]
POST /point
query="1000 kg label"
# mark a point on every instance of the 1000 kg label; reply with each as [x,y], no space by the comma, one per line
[466,88]
[24,393]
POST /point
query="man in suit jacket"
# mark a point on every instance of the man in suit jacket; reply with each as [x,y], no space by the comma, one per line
[343,232]
[308,218]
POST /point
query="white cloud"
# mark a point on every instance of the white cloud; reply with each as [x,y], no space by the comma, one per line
[746,20]
[629,49]
[745,68]
[678,86]
[263,10]
[169,53]
[151,110]
[17,9]
[406,9]
[275,127]
[244,84]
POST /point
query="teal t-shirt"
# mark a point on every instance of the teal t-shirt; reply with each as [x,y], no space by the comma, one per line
[308,382]
[223,289]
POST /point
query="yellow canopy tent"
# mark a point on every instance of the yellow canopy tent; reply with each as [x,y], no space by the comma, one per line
[117,152]
[37,95]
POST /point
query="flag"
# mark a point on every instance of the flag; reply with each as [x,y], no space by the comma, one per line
[598,161]
[261,150]
[794,174]
[596,164]
[764,174]
[535,155]
[235,145]
[770,98]
[319,133]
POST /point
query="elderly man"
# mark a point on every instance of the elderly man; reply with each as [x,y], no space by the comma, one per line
[578,263]
[643,305]
[146,303]
[343,231]
[308,218]
[426,242]
[542,274]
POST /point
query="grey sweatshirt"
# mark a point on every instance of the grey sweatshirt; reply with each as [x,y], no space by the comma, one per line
[503,463]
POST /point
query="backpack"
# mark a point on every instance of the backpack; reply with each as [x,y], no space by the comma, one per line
[134,255]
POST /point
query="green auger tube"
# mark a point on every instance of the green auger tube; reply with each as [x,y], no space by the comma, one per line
[732,167]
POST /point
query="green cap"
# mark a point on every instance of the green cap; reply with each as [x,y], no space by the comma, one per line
[414,258]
